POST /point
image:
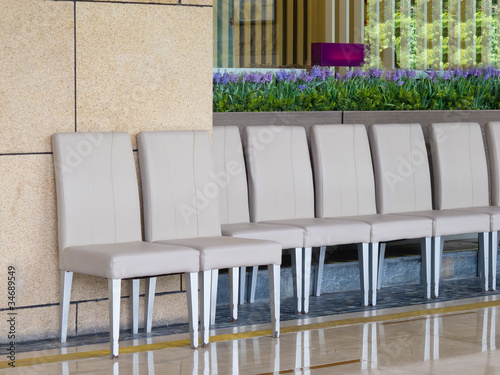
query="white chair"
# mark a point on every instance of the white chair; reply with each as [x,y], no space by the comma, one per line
[231,177]
[181,207]
[99,226]
[461,182]
[281,192]
[403,186]
[493,140]
[345,188]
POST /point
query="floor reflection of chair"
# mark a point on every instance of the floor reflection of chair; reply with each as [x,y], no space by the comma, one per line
[303,352]
[432,331]
[369,356]
[64,365]
[489,319]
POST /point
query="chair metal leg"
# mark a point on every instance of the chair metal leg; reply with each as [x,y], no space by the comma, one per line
[134,304]
[149,302]
[65,297]
[192,301]
[319,273]
[233,292]
[484,259]
[274,294]
[381,262]
[205,287]
[493,259]
[114,290]
[426,248]
[213,298]
[243,279]
[437,253]
[253,284]
[373,272]
[307,278]
[363,250]
[297,277]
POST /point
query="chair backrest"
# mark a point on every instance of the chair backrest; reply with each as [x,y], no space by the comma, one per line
[279,173]
[459,165]
[97,191]
[230,174]
[493,138]
[401,165]
[180,194]
[343,172]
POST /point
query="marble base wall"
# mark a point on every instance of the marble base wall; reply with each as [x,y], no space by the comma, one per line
[69,66]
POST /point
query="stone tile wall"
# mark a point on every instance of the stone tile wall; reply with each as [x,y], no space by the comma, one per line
[87,66]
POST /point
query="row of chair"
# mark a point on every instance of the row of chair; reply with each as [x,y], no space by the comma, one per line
[99,223]
[369,189]
[194,192]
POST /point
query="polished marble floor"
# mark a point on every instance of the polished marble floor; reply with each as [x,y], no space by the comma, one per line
[456,337]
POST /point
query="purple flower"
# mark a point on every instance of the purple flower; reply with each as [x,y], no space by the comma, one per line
[400,83]
[302,87]
[448,75]
[338,76]
[432,74]
[410,73]
[388,75]
[281,76]
[234,78]
[376,73]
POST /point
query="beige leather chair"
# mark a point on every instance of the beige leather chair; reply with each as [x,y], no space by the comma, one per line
[493,138]
[181,207]
[461,182]
[403,186]
[281,192]
[345,188]
[231,176]
[99,226]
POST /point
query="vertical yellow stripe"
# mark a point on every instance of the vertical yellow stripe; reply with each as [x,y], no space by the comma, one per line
[486,10]
[225,33]
[404,30]
[469,37]
[289,32]
[388,45]
[421,32]
[454,33]
[236,33]
[269,34]
[311,26]
[373,33]
[300,32]
[330,21]
[259,20]
[279,32]
[435,54]
[247,34]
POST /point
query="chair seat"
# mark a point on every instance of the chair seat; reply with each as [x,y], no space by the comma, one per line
[493,211]
[322,232]
[129,260]
[288,236]
[395,227]
[227,252]
[451,222]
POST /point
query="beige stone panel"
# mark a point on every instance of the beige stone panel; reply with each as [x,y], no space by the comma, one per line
[143,68]
[198,2]
[39,323]
[142,1]
[169,309]
[28,239]
[36,73]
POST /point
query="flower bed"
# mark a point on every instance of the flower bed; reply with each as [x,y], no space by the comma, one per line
[360,90]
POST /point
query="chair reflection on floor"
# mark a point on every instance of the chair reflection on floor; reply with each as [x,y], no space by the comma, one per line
[432,325]
[369,356]
[489,319]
